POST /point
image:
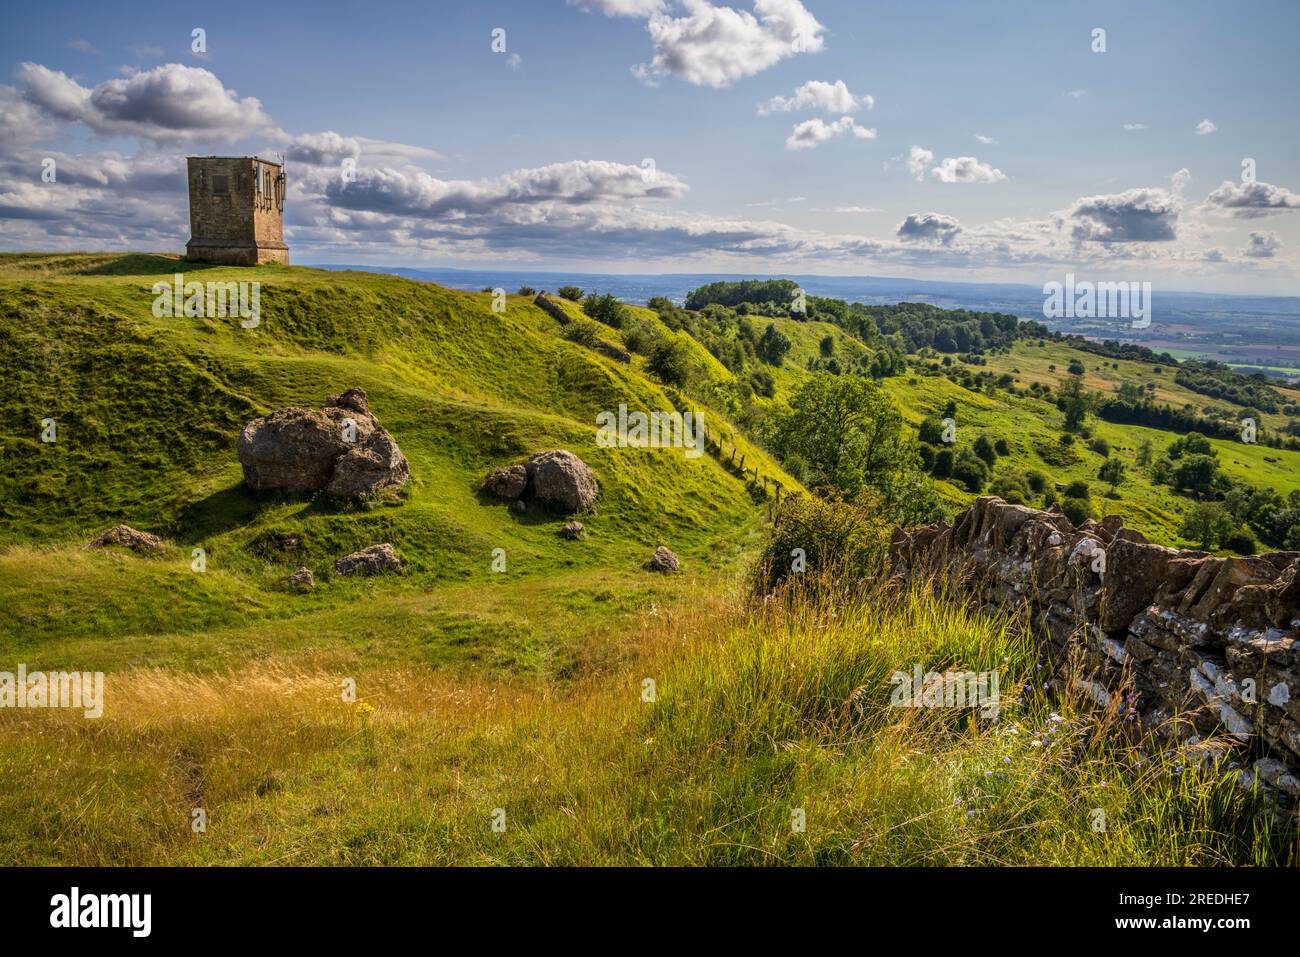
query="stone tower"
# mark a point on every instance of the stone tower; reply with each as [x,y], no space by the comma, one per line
[236,211]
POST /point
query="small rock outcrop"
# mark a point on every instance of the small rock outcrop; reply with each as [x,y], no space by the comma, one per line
[552,308]
[509,482]
[375,560]
[340,449]
[128,537]
[303,578]
[573,531]
[1208,645]
[663,560]
[556,478]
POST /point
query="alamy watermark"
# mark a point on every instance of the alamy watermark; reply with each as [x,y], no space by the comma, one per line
[53,689]
[654,430]
[211,300]
[1098,300]
[950,689]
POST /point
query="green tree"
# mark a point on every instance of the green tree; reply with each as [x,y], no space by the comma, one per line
[606,309]
[1195,473]
[670,361]
[1112,472]
[774,344]
[1074,402]
[1144,453]
[1207,524]
[942,464]
[848,434]
[970,470]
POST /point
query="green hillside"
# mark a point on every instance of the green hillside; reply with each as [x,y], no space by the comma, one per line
[148,410]
[616,716]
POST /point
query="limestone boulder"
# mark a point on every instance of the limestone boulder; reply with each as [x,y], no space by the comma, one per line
[127,537]
[509,482]
[375,560]
[560,479]
[303,579]
[663,560]
[340,449]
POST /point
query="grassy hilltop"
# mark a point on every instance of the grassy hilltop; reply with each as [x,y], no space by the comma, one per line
[524,691]
[148,410]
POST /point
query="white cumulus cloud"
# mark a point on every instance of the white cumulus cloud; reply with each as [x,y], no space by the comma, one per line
[810,133]
[818,95]
[716,46]
[966,169]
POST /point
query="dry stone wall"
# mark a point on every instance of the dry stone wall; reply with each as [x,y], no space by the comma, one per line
[1202,648]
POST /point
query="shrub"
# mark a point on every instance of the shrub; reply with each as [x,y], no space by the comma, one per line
[571,293]
[1001,447]
[641,338]
[931,431]
[1037,481]
[761,381]
[942,463]
[841,542]
[1112,472]
[984,449]
[1078,489]
[528,291]
[1077,510]
[1011,486]
[1101,447]
[606,309]
[670,362]
[970,470]
[582,332]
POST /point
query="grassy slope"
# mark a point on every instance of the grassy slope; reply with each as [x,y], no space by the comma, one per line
[148,410]
[755,715]
[223,688]
[1032,427]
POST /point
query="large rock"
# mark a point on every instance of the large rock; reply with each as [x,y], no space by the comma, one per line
[128,537]
[374,560]
[556,478]
[561,479]
[663,560]
[341,450]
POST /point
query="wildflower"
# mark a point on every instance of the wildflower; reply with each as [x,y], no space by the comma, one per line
[365,709]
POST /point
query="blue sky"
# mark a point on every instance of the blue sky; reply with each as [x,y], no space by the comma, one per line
[1118,164]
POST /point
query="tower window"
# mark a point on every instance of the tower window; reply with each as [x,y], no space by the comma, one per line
[220,185]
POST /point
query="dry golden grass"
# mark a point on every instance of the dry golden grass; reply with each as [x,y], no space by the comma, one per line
[758,713]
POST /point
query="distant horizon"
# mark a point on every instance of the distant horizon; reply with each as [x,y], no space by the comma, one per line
[736,276]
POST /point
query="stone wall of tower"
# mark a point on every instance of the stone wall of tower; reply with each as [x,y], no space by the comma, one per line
[236,211]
